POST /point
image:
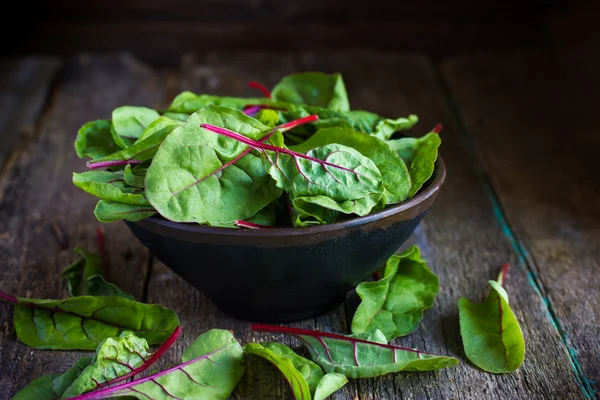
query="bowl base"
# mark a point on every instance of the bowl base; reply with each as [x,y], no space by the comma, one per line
[278,316]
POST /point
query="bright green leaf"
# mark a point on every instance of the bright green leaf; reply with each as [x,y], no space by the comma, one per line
[134,178]
[129,123]
[109,186]
[313,89]
[95,140]
[109,211]
[330,383]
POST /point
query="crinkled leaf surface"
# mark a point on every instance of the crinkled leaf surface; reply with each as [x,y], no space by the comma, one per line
[491,334]
[394,173]
[420,155]
[110,211]
[314,89]
[211,368]
[200,176]
[395,303]
[83,322]
[85,277]
[129,123]
[357,358]
[109,186]
[95,140]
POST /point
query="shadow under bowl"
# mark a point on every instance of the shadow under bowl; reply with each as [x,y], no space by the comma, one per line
[285,274]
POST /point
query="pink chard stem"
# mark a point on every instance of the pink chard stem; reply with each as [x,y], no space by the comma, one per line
[8,298]
[250,225]
[105,164]
[262,88]
[503,273]
[437,129]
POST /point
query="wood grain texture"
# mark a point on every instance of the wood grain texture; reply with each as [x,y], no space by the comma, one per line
[38,194]
[537,136]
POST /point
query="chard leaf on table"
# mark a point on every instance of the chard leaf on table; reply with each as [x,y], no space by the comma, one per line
[313,89]
[134,178]
[129,123]
[490,331]
[395,303]
[211,368]
[199,176]
[108,185]
[85,277]
[95,140]
[82,322]
[394,173]
[357,358]
[420,155]
[305,378]
[110,211]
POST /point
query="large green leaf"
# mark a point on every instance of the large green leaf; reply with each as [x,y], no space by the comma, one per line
[394,173]
[83,322]
[109,186]
[358,358]
[188,102]
[109,211]
[314,89]
[85,277]
[129,123]
[211,368]
[95,140]
[420,154]
[395,303]
[490,331]
[200,176]
[305,378]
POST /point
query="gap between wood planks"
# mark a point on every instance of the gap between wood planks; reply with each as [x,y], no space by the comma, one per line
[526,261]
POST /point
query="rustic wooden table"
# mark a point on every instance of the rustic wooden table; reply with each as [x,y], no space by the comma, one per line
[522,187]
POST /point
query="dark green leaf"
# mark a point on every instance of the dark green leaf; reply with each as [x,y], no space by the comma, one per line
[396,180]
[85,277]
[95,140]
[200,176]
[83,322]
[108,211]
[129,123]
[490,331]
[109,186]
[395,303]
[314,89]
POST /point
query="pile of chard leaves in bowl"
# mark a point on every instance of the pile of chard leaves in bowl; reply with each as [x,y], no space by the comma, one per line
[298,156]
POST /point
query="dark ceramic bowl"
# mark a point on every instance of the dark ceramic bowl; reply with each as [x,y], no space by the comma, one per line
[285,274]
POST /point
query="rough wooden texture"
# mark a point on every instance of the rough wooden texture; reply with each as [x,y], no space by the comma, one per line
[537,135]
[24,86]
[38,194]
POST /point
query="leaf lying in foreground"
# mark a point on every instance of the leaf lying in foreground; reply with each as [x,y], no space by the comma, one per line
[109,186]
[305,378]
[313,89]
[211,368]
[490,331]
[109,211]
[81,323]
[420,155]
[95,140]
[358,358]
[129,123]
[394,173]
[85,277]
[395,303]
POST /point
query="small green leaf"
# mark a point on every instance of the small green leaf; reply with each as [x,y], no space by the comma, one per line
[95,140]
[159,126]
[129,123]
[395,303]
[109,186]
[490,331]
[313,89]
[134,178]
[85,277]
[268,117]
[189,103]
[330,383]
[109,211]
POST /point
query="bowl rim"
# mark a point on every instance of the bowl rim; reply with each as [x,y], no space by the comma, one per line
[406,207]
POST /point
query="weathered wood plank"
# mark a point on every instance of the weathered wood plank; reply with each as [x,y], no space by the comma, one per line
[38,193]
[535,125]
[24,87]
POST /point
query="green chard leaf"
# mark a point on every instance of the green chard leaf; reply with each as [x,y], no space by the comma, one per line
[110,211]
[95,140]
[211,369]
[183,117]
[108,185]
[420,155]
[314,89]
[200,176]
[395,303]
[305,378]
[358,358]
[490,331]
[85,277]
[159,126]
[82,322]
[134,178]
[189,103]
[394,173]
[129,123]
